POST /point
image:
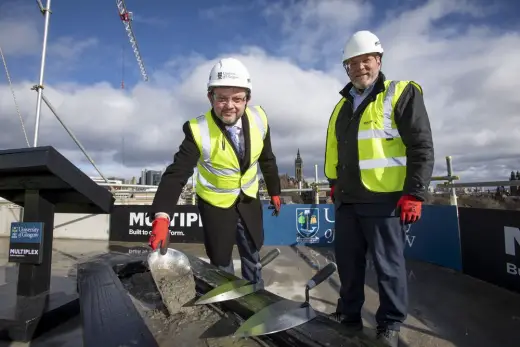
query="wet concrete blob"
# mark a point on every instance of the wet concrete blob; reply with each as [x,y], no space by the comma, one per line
[174,325]
[176,289]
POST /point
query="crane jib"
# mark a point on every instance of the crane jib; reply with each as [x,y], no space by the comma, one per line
[126,19]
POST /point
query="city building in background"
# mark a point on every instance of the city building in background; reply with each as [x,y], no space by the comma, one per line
[298,181]
[298,167]
[150,177]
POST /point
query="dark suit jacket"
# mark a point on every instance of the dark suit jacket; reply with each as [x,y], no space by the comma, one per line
[219,224]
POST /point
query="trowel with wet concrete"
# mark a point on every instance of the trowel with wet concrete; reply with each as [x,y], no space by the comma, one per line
[171,272]
[284,314]
[238,288]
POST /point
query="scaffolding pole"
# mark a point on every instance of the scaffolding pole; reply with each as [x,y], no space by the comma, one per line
[47,13]
[49,105]
[39,89]
[317,191]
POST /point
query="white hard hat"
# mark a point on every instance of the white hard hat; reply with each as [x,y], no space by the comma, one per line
[362,42]
[229,72]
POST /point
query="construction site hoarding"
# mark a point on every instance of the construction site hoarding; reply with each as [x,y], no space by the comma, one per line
[490,244]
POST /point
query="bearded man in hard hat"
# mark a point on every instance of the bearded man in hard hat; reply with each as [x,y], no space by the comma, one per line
[379,161]
[225,144]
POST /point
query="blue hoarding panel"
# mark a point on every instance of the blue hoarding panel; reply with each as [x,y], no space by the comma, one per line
[434,239]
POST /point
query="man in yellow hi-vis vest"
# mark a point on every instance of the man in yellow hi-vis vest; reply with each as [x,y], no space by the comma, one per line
[379,161]
[225,145]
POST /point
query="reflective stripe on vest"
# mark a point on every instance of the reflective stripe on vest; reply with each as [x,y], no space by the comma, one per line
[219,179]
[382,154]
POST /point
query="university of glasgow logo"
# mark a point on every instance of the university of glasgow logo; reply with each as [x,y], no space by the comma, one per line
[307,224]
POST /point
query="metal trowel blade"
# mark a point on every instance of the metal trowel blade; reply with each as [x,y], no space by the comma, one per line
[172,259]
[228,291]
[280,316]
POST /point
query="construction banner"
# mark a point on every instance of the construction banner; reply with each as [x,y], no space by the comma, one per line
[128,223]
[490,244]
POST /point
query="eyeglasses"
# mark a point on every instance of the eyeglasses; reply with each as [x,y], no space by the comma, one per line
[234,100]
[349,65]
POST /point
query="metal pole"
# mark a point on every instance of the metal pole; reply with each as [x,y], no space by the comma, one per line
[453,194]
[193,194]
[47,13]
[73,137]
[316,194]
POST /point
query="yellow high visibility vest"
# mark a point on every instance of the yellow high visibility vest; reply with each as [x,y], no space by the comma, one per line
[382,153]
[219,180]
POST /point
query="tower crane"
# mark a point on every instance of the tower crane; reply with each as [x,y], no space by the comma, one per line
[126,19]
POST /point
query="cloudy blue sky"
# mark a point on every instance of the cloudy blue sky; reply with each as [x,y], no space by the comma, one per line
[463,53]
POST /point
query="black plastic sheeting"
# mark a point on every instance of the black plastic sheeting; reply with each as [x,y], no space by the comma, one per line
[111,318]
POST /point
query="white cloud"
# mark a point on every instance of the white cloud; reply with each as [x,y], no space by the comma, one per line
[315,31]
[468,74]
[68,48]
[19,31]
[21,34]
[216,13]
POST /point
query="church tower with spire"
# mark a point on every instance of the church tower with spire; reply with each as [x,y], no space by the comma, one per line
[298,164]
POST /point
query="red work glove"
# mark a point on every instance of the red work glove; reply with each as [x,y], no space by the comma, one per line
[410,209]
[275,200]
[332,193]
[160,236]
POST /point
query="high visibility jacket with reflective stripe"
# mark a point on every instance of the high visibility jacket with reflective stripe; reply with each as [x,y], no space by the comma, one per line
[381,151]
[219,179]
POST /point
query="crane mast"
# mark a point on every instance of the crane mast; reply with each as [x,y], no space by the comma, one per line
[126,18]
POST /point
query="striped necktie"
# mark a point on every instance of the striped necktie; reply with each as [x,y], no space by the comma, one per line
[236,141]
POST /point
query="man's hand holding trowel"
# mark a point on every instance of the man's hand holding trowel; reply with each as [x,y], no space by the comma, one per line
[160,236]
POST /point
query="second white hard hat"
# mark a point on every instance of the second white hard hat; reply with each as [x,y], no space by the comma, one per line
[362,42]
[229,72]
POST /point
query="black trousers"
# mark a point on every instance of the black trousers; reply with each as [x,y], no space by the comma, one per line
[249,256]
[375,228]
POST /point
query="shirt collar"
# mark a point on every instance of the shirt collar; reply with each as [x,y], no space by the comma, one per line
[367,91]
[237,125]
